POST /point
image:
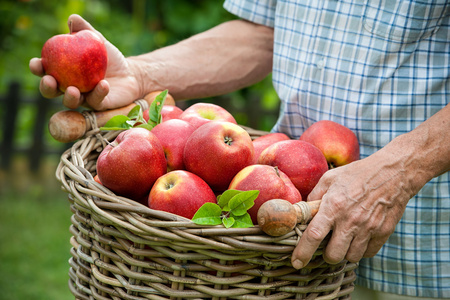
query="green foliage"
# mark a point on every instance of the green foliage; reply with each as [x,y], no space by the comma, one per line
[230,210]
[135,117]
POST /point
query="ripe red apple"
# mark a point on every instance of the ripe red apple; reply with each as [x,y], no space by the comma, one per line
[269,181]
[302,162]
[201,113]
[173,135]
[180,192]
[216,151]
[265,141]
[337,142]
[131,163]
[78,59]
[168,112]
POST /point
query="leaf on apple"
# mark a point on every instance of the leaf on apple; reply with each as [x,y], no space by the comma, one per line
[228,222]
[230,210]
[135,117]
[154,111]
[243,221]
[208,214]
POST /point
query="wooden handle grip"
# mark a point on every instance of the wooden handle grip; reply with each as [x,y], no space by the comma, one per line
[68,126]
[278,217]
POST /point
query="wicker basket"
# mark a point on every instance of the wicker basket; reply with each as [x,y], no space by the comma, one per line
[124,250]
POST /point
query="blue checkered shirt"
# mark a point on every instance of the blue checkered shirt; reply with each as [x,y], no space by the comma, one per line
[380,68]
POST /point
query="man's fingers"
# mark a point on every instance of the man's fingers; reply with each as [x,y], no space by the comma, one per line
[49,87]
[77,23]
[72,98]
[314,234]
[337,247]
[97,99]
[36,67]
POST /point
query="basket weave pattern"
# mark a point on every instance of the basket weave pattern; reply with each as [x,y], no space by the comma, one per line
[124,250]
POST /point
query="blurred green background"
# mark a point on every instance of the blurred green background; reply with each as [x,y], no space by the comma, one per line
[34,212]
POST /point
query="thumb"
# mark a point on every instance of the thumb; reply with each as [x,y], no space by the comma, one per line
[77,23]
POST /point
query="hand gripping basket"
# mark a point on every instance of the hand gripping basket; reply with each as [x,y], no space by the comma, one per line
[124,250]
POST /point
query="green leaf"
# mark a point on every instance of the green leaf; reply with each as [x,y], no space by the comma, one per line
[228,222]
[243,221]
[241,202]
[154,111]
[208,214]
[118,122]
[134,112]
[145,125]
[225,198]
[137,114]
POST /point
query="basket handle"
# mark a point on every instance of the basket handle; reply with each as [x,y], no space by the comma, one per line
[278,217]
[68,125]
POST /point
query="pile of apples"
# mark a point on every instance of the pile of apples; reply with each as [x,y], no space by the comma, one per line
[194,155]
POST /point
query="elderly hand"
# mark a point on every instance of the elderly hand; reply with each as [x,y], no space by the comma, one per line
[361,204]
[119,88]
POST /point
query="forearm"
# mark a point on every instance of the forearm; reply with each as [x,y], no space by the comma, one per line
[226,58]
[425,151]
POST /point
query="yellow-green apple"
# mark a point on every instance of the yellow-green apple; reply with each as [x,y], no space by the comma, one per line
[131,163]
[337,142]
[201,113]
[265,141]
[168,112]
[173,135]
[77,59]
[216,151]
[180,192]
[269,181]
[302,162]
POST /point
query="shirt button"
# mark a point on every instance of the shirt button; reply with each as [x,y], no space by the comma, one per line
[320,64]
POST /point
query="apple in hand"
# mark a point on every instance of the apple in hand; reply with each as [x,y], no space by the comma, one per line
[201,113]
[173,135]
[265,141]
[78,59]
[180,192]
[131,163]
[168,112]
[269,181]
[337,142]
[302,162]
[217,151]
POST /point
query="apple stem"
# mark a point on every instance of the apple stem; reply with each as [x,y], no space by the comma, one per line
[276,170]
[331,165]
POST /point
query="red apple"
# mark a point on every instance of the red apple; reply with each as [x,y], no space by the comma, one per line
[201,113]
[131,163]
[265,141]
[168,112]
[269,181]
[337,142]
[173,135]
[78,59]
[180,192]
[302,162]
[217,151]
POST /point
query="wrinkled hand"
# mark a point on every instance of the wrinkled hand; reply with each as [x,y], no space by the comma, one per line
[362,202]
[119,88]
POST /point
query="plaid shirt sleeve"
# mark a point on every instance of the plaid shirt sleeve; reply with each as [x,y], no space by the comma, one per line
[380,68]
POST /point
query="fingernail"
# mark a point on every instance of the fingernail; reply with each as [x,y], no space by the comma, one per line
[297,264]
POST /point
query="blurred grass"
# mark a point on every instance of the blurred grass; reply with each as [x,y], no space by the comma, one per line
[34,235]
